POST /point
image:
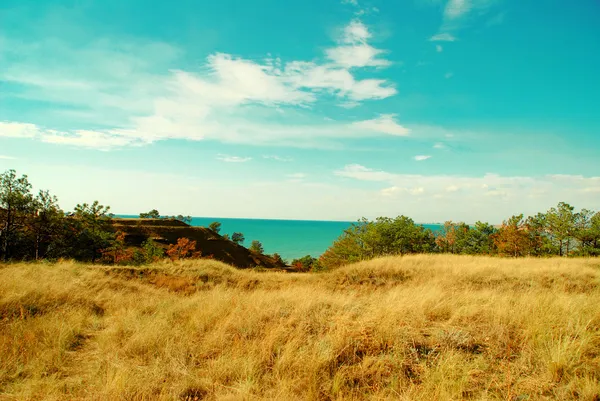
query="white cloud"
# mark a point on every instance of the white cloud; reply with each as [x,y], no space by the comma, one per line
[278,158]
[361,55]
[457,8]
[421,158]
[486,197]
[356,32]
[386,123]
[4,157]
[352,2]
[355,51]
[133,97]
[233,159]
[17,130]
[363,173]
[439,48]
[458,13]
[443,37]
[439,145]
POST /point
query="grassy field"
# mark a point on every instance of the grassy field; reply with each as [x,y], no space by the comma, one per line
[411,328]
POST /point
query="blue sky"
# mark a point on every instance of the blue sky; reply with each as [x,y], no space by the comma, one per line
[436,109]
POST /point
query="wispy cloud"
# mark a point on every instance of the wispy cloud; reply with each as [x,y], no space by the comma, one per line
[448,75]
[4,157]
[458,13]
[443,37]
[233,159]
[278,158]
[385,123]
[148,101]
[421,158]
[495,191]
[439,48]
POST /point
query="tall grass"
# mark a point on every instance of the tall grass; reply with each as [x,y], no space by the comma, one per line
[411,328]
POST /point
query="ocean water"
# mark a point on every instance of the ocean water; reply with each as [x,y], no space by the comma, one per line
[290,238]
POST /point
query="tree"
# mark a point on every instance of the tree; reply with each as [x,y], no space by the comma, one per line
[94,230]
[46,223]
[117,252]
[16,205]
[512,238]
[384,236]
[238,238]
[152,252]
[278,259]
[304,263]
[587,232]
[215,226]
[185,219]
[184,248]
[479,240]
[257,247]
[152,214]
[561,226]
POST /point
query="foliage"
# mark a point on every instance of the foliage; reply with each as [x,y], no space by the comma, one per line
[152,214]
[278,259]
[305,263]
[215,226]
[238,238]
[184,248]
[384,236]
[257,247]
[16,204]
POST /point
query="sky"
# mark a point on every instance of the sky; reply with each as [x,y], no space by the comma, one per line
[440,110]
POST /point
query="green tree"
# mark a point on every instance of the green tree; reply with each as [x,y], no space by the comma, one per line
[304,263]
[587,232]
[560,223]
[384,236]
[238,238]
[257,247]
[152,214]
[46,224]
[479,240]
[152,251]
[16,206]
[94,230]
[215,226]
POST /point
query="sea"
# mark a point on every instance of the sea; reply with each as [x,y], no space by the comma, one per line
[291,239]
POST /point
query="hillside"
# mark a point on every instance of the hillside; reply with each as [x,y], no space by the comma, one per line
[166,232]
[411,328]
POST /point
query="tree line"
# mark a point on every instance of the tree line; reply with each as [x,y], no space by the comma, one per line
[561,231]
[33,226]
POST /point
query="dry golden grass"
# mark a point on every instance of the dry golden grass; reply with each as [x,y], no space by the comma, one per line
[411,328]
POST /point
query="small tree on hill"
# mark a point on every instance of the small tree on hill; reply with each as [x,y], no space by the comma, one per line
[152,252]
[215,226]
[278,259]
[257,247]
[184,248]
[238,238]
[152,214]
